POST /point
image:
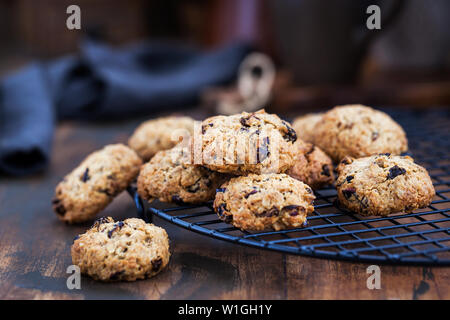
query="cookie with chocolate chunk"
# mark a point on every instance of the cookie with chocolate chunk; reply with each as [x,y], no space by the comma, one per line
[383,184]
[312,165]
[170,177]
[261,202]
[305,126]
[244,143]
[91,186]
[121,251]
[358,131]
[160,134]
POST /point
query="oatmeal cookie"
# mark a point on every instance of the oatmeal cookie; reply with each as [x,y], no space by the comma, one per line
[125,250]
[306,126]
[383,184]
[170,178]
[243,143]
[359,131]
[90,187]
[312,165]
[267,201]
[160,134]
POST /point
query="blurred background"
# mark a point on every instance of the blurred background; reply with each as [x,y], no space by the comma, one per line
[323,51]
[142,59]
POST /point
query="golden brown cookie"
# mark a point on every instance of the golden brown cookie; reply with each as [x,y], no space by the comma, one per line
[90,187]
[359,131]
[305,126]
[260,202]
[383,184]
[160,134]
[170,178]
[312,165]
[125,250]
[255,142]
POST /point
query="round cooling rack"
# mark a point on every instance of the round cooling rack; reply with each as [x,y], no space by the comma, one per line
[421,237]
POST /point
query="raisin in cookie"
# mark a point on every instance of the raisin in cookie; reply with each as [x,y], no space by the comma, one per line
[260,202]
[383,184]
[160,134]
[91,186]
[255,142]
[170,178]
[312,165]
[305,126]
[125,250]
[359,131]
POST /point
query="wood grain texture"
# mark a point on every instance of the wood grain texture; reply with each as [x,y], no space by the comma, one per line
[35,250]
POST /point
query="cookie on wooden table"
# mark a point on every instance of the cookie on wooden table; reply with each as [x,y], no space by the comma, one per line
[243,143]
[160,134]
[383,184]
[91,186]
[305,126]
[170,177]
[125,250]
[267,201]
[359,131]
[312,165]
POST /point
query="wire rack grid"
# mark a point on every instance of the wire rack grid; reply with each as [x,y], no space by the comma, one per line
[421,237]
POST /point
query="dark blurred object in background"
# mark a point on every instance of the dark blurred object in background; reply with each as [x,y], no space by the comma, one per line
[420,39]
[325,42]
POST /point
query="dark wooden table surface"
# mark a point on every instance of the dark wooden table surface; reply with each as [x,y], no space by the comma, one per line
[35,249]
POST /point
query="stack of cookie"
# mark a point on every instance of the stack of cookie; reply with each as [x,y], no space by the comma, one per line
[259,170]
[268,168]
[256,149]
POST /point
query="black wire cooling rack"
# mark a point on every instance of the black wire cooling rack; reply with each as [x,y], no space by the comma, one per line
[421,237]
